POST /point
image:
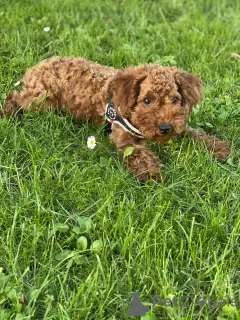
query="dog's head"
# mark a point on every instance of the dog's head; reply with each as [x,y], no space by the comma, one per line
[156,100]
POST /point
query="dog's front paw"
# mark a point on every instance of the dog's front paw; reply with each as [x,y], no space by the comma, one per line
[144,165]
[221,150]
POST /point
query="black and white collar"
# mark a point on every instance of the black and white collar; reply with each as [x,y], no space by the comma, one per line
[113,117]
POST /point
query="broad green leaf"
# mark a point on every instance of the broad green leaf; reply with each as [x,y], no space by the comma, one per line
[96,245]
[3,96]
[80,260]
[82,243]
[229,309]
[149,316]
[84,223]
[4,314]
[76,230]
[103,162]
[3,280]
[128,151]
[62,255]
[230,162]
[12,294]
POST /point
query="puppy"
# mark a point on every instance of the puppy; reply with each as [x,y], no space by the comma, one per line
[147,102]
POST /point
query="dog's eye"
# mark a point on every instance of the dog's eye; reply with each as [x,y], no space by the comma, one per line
[146,101]
[175,100]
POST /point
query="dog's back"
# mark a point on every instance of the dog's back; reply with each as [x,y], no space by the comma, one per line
[69,83]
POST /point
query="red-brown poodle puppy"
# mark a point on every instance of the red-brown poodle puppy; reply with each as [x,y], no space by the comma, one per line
[148,102]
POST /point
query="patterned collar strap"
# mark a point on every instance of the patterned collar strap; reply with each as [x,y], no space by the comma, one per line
[112,117]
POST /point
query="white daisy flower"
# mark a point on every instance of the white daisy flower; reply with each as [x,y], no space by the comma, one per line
[17,83]
[91,142]
[46,29]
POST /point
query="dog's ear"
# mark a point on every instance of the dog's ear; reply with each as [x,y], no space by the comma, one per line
[190,87]
[126,87]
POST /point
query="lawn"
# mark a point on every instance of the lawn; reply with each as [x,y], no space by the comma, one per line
[78,233]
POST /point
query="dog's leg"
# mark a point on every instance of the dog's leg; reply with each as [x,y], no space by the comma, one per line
[27,99]
[219,149]
[11,106]
[142,162]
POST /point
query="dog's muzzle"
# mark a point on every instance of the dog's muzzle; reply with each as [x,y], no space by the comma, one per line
[165,128]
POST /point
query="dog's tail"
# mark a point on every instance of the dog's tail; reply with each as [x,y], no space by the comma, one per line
[11,106]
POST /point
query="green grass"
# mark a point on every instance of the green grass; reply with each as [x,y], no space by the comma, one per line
[176,239]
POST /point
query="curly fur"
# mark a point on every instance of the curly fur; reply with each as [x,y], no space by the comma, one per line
[82,87]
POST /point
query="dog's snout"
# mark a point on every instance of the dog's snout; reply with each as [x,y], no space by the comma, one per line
[165,128]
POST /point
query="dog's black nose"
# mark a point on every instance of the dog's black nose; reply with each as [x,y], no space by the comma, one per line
[165,128]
